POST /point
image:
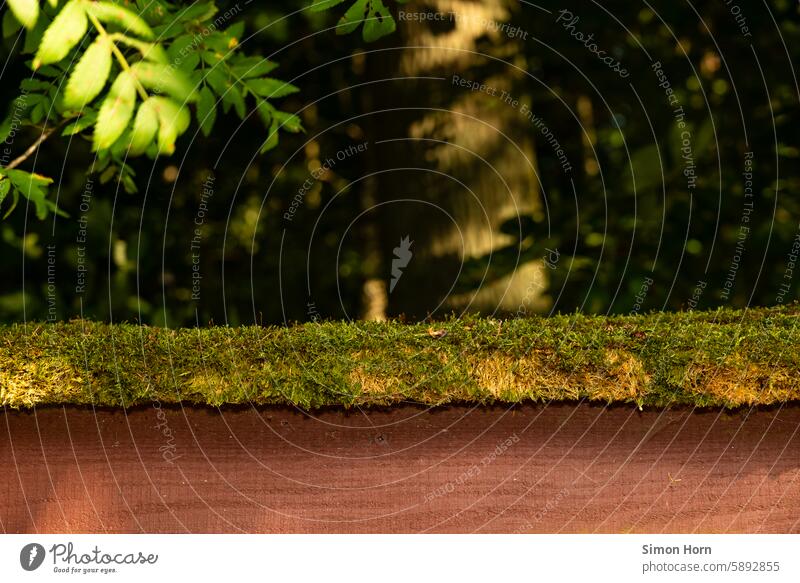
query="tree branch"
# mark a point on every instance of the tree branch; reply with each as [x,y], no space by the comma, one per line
[33,147]
[123,62]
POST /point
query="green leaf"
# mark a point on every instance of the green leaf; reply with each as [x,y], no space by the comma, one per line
[270,88]
[5,127]
[234,97]
[206,110]
[266,112]
[108,174]
[198,11]
[33,84]
[50,72]
[129,184]
[218,81]
[211,58]
[352,18]
[37,113]
[379,22]
[182,46]
[25,11]
[32,187]
[10,24]
[320,5]
[188,63]
[376,17]
[14,201]
[219,42]
[90,75]
[33,37]
[164,79]
[175,24]
[235,30]
[144,127]
[88,119]
[250,67]
[5,187]
[173,121]
[288,121]
[182,52]
[272,138]
[66,30]
[110,13]
[116,111]
[150,51]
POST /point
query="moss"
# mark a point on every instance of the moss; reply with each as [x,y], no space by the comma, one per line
[722,358]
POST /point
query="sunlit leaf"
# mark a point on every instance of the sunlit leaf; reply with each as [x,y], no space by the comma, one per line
[116,111]
[25,11]
[66,30]
[128,21]
[90,75]
[145,127]
[173,120]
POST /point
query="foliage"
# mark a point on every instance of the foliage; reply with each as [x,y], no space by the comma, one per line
[375,17]
[611,237]
[32,186]
[650,211]
[134,72]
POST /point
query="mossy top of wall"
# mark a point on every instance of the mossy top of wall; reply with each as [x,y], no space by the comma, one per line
[721,358]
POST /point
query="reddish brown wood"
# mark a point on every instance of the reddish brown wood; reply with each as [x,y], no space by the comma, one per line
[563,468]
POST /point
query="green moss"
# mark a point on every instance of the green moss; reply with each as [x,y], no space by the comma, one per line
[720,358]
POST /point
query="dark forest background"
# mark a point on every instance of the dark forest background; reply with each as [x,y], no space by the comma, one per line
[497,223]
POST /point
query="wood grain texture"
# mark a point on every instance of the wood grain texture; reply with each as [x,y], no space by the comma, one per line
[564,468]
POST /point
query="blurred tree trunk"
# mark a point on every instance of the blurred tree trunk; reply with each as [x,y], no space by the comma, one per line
[458,172]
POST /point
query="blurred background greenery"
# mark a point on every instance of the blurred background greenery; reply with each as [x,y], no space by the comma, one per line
[498,224]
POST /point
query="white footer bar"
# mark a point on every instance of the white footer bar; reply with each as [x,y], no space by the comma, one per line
[401,558]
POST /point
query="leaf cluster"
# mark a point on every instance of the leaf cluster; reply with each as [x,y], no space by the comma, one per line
[130,76]
[376,19]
